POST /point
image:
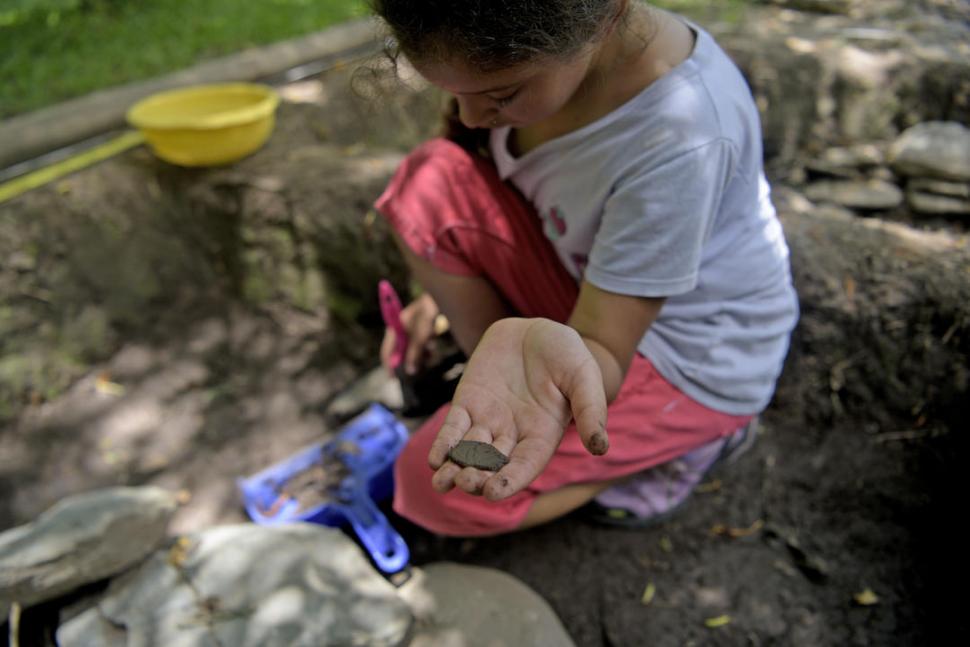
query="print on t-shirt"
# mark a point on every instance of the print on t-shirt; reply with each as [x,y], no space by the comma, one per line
[554,224]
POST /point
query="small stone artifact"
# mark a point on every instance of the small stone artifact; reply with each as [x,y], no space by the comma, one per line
[471,453]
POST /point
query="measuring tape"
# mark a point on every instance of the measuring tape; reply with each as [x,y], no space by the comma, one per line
[40,177]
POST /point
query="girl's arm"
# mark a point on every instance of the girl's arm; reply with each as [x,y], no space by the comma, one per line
[612,326]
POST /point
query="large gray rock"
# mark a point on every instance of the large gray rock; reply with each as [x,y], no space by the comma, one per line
[469,606]
[935,149]
[248,586]
[82,539]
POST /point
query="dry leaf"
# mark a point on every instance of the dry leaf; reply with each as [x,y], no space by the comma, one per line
[866,598]
[104,385]
[648,594]
[712,486]
[849,284]
[718,621]
[179,551]
[736,533]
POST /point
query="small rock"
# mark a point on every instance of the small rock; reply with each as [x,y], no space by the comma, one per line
[871,194]
[937,149]
[768,618]
[375,386]
[22,261]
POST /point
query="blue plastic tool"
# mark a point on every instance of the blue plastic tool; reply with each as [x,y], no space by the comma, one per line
[375,439]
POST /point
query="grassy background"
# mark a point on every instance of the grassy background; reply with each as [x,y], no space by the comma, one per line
[52,50]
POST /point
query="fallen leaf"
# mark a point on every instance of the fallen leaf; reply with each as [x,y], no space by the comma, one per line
[648,594]
[849,285]
[736,533]
[717,621]
[705,488]
[866,598]
[666,545]
[104,385]
[179,551]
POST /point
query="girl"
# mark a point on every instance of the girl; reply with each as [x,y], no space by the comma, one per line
[599,234]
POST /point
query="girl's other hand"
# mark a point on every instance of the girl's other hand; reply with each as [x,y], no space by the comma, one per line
[523,384]
[418,320]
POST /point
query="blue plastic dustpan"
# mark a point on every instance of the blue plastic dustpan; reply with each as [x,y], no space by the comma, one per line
[367,446]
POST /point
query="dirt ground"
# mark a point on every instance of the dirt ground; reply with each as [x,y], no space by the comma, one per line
[189,327]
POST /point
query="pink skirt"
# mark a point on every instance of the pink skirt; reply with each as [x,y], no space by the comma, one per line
[451,209]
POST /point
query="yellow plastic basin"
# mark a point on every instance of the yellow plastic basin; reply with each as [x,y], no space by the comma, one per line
[206,125]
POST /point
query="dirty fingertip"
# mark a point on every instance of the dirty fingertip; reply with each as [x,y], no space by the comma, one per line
[443,480]
[437,456]
[498,488]
[599,444]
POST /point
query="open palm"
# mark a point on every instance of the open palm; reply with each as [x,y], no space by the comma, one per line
[523,384]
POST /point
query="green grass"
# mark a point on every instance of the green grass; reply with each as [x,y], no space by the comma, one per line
[52,50]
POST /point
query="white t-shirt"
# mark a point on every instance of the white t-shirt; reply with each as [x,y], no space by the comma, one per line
[666,197]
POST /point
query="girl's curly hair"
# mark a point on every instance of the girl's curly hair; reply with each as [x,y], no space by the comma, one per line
[494,34]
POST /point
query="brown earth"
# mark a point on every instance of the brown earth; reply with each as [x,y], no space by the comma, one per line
[188,327]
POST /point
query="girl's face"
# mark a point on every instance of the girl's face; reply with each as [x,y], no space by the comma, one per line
[520,96]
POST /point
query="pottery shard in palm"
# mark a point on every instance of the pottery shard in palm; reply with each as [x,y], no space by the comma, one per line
[471,453]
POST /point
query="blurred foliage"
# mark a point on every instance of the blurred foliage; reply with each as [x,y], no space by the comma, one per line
[14,12]
[52,50]
[703,10]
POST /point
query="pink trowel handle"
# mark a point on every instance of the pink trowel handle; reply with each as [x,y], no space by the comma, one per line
[391,311]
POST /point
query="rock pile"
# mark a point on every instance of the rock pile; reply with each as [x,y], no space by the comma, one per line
[925,171]
[851,72]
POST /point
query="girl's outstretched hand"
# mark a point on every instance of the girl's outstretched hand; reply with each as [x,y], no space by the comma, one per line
[523,384]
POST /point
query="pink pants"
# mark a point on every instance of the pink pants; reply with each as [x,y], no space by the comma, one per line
[452,209]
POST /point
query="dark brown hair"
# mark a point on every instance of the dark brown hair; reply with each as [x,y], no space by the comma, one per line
[494,34]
